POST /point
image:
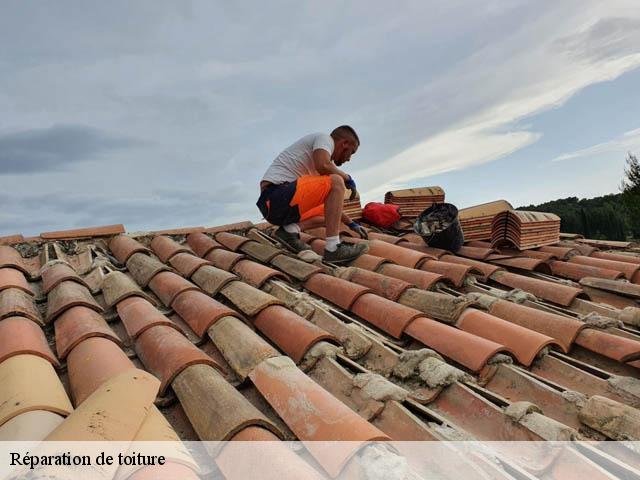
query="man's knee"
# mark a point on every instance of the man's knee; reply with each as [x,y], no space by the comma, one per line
[337,183]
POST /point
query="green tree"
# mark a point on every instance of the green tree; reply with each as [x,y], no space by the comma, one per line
[631,192]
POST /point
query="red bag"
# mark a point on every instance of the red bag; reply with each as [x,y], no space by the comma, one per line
[381,214]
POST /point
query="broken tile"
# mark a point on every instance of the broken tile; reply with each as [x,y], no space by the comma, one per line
[200,311]
[14,302]
[165,248]
[76,325]
[12,278]
[123,247]
[212,279]
[56,272]
[67,295]
[21,336]
[143,268]
[116,287]
[168,285]
[138,315]
[187,263]
[335,290]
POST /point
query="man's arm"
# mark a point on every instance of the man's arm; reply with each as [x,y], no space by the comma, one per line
[324,165]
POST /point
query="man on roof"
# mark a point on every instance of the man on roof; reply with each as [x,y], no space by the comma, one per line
[304,188]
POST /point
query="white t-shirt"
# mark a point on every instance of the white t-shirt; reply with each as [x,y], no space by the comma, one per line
[297,159]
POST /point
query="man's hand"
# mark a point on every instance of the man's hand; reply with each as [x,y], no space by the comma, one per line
[351,185]
[359,229]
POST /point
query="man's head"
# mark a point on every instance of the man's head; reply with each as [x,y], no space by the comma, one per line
[346,143]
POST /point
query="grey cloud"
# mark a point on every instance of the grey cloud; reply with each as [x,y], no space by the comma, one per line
[55,148]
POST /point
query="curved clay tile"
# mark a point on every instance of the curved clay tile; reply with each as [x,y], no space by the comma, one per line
[143,268]
[368,262]
[212,279]
[551,291]
[611,346]
[231,241]
[260,251]
[383,285]
[30,383]
[561,252]
[462,347]
[224,259]
[166,353]
[431,252]
[138,315]
[312,413]
[453,272]
[123,247]
[563,329]
[53,274]
[14,302]
[388,316]
[121,403]
[420,278]
[577,272]
[249,300]
[117,286]
[524,343]
[67,295]
[256,274]
[401,256]
[475,253]
[30,426]
[91,363]
[168,285]
[165,248]
[76,325]
[10,257]
[295,268]
[385,237]
[621,288]
[289,331]
[19,336]
[522,263]
[628,269]
[202,244]
[544,256]
[200,311]
[616,257]
[240,346]
[335,290]
[187,263]
[486,269]
[12,278]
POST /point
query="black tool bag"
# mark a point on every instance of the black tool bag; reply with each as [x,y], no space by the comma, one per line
[439,227]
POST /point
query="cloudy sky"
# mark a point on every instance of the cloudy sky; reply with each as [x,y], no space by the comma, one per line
[166,114]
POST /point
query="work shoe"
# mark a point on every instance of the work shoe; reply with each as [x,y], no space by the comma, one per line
[291,240]
[345,253]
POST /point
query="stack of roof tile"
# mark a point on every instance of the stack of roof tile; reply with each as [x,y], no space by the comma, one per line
[525,230]
[476,221]
[413,201]
[353,208]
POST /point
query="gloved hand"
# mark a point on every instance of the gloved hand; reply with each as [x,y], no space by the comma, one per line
[359,229]
[351,185]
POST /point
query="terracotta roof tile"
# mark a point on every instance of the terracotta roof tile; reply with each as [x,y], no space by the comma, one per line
[291,333]
[138,315]
[10,257]
[628,269]
[166,352]
[620,287]
[325,418]
[212,279]
[464,348]
[91,363]
[117,286]
[611,346]
[616,257]
[249,300]
[230,227]
[576,271]
[178,231]
[103,231]
[260,251]
[431,252]
[231,241]
[165,248]
[420,278]
[523,342]
[53,274]
[368,262]
[14,302]
[12,278]
[401,256]
[143,268]
[19,335]
[30,426]
[200,311]
[123,247]
[224,259]
[453,272]
[476,253]
[202,244]
[551,291]
[385,237]
[187,263]
[295,268]
[11,239]
[522,263]
[76,325]
[335,290]
[30,383]
[562,253]
[168,285]
[67,295]
[383,285]
[485,269]
[256,274]
[388,316]
[563,329]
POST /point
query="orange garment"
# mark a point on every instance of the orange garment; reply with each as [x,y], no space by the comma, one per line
[311,192]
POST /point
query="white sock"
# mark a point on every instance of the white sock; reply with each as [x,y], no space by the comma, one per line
[292,228]
[332,243]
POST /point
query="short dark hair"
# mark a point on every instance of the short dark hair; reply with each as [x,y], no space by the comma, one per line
[345,131]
